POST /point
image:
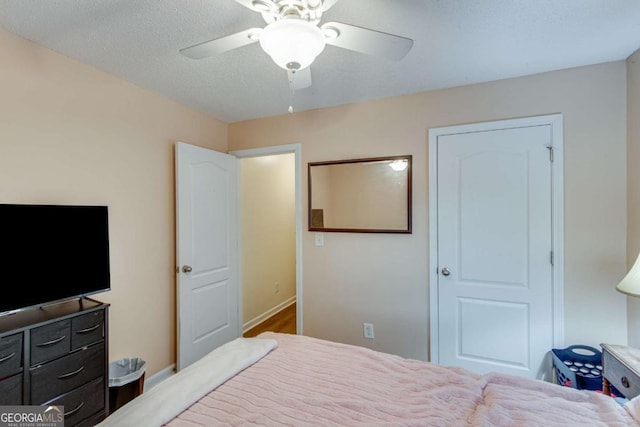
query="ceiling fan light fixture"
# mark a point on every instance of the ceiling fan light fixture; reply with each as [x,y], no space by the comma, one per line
[293,44]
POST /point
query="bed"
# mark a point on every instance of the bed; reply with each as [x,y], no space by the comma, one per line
[293,380]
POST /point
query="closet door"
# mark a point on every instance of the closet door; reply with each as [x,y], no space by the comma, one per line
[495,289]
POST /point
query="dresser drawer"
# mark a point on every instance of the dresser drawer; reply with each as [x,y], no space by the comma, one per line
[87,329]
[63,375]
[620,376]
[10,355]
[50,341]
[11,390]
[82,402]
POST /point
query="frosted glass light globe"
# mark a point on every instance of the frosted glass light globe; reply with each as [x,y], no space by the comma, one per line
[293,44]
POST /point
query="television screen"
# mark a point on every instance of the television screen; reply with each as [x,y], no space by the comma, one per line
[52,253]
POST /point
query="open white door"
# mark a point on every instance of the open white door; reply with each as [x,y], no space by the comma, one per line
[206,245]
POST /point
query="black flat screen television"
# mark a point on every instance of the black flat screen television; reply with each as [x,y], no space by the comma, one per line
[52,253]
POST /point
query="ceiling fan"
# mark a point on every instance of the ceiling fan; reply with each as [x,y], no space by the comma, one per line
[293,37]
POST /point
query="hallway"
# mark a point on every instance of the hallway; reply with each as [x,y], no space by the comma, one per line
[283,321]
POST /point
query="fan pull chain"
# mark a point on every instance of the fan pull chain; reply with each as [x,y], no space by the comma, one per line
[291,103]
[291,92]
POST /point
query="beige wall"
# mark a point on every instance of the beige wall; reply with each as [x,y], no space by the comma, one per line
[633,182]
[268,233]
[383,279]
[71,134]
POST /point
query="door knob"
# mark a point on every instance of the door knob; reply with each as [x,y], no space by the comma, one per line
[445,271]
[186,269]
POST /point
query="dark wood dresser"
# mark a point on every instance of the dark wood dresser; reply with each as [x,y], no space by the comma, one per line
[57,355]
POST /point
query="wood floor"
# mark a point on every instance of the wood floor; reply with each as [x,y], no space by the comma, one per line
[283,321]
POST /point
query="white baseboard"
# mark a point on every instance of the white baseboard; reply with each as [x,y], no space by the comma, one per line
[264,316]
[158,377]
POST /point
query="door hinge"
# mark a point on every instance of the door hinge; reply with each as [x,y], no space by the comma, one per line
[551,257]
[550,148]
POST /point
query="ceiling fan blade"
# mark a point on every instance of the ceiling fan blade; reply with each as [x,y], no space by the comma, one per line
[222,44]
[300,79]
[367,41]
[326,4]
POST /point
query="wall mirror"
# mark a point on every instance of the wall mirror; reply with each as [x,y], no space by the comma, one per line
[361,195]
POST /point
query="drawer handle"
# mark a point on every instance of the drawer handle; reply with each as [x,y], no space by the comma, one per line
[87,330]
[56,341]
[625,381]
[5,358]
[74,410]
[70,374]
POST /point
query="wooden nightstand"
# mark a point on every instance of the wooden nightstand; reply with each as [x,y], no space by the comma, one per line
[621,368]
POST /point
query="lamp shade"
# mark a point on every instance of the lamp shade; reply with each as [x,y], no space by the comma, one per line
[630,284]
[293,44]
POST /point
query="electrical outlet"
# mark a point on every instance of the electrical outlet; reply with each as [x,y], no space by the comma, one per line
[277,287]
[319,239]
[368,330]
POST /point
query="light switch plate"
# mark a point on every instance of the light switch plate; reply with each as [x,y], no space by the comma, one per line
[368,330]
[319,239]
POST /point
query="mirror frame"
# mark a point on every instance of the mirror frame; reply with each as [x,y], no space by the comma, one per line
[406,230]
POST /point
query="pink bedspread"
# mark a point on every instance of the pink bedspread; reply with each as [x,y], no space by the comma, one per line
[311,382]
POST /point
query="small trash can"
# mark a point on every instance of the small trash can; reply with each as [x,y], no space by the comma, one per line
[126,381]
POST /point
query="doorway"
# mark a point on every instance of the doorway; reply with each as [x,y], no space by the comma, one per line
[270,240]
[496,245]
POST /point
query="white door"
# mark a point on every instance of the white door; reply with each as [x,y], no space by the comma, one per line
[206,225]
[494,250]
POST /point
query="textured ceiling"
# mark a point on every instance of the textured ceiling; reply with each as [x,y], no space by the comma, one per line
[456,42]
